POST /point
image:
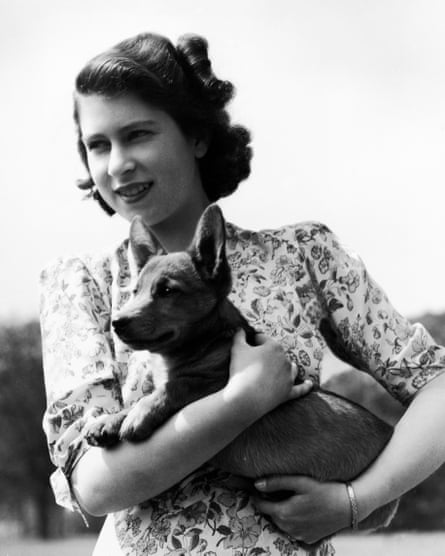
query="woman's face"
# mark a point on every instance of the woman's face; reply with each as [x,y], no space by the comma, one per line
[140,160]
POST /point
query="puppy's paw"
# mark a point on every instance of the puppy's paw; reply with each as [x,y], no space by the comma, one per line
[137,426]
[104,430]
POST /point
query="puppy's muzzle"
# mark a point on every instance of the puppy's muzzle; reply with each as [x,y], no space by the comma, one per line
[121,324]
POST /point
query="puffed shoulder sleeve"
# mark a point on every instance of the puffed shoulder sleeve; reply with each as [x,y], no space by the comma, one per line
[359,323]
[79,367]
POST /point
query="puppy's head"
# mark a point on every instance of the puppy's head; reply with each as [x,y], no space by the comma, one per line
[174,293]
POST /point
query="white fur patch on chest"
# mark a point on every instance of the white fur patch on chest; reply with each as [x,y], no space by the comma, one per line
[146,372]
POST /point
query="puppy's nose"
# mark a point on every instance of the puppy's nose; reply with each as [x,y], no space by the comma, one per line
[120,324]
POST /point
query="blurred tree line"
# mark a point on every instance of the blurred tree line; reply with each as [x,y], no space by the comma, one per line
[26,502]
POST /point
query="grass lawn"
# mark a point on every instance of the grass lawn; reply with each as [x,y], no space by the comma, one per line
[402,544]
[397,544]
[79,546]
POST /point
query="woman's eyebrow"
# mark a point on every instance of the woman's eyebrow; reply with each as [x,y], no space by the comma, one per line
[137,123]
[123,129]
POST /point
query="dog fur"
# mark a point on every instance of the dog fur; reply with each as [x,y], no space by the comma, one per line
[180,310]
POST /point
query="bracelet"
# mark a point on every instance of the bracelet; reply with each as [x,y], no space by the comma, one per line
[353,505]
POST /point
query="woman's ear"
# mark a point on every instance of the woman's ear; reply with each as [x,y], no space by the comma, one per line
[201,145]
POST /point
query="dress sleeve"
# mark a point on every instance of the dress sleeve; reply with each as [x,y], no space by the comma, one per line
[360,325]
[79,368]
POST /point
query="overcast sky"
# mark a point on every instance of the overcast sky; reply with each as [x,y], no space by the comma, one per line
[345,100]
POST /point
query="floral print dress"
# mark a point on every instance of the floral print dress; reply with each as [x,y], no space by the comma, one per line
[292,283]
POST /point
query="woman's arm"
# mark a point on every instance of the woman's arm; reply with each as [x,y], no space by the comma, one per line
[415,451]
[110,480]
[365,330]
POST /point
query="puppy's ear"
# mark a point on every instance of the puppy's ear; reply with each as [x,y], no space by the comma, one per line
[208,248]
[143,244]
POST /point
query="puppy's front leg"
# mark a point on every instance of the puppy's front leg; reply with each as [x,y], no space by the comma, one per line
[146,415]
[104,430]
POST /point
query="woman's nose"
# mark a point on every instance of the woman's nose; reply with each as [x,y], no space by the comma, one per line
[120,162]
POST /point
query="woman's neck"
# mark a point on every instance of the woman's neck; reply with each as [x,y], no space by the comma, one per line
[176,233]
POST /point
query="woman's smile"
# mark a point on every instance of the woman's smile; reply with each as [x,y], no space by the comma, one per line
[133,192]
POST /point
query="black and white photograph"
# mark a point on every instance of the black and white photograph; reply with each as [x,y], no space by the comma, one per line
[222,320]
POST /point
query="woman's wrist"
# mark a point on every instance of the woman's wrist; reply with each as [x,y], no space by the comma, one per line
[353,506]
[367,497]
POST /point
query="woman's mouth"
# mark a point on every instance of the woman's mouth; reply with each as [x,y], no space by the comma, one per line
[133,192]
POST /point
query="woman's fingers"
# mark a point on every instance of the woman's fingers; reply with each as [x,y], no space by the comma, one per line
[265,370]
[240,337]
[275,510]
[294,483]
[261,339]
[299,390]
[312,510]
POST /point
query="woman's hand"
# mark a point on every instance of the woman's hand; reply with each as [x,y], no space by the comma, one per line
[263,373]
[313,510]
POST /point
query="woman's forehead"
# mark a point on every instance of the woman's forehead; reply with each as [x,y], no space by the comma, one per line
[99,113]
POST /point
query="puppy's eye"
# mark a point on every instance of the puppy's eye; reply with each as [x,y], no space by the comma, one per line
[163,290]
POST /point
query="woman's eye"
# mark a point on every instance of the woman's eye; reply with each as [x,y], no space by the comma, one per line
[97,146]
[139,134]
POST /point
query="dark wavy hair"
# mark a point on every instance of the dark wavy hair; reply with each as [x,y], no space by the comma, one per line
[180,81]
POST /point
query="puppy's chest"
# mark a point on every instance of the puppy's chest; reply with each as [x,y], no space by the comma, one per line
[141,372]
[274,304]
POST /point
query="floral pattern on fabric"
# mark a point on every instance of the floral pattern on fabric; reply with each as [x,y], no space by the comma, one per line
[182,522]
[296,284]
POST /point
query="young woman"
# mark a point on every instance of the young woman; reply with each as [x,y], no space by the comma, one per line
[157,141]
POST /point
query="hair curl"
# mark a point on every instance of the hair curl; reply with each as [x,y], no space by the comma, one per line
[180,81]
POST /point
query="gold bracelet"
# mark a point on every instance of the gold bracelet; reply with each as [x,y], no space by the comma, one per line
[353,505]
